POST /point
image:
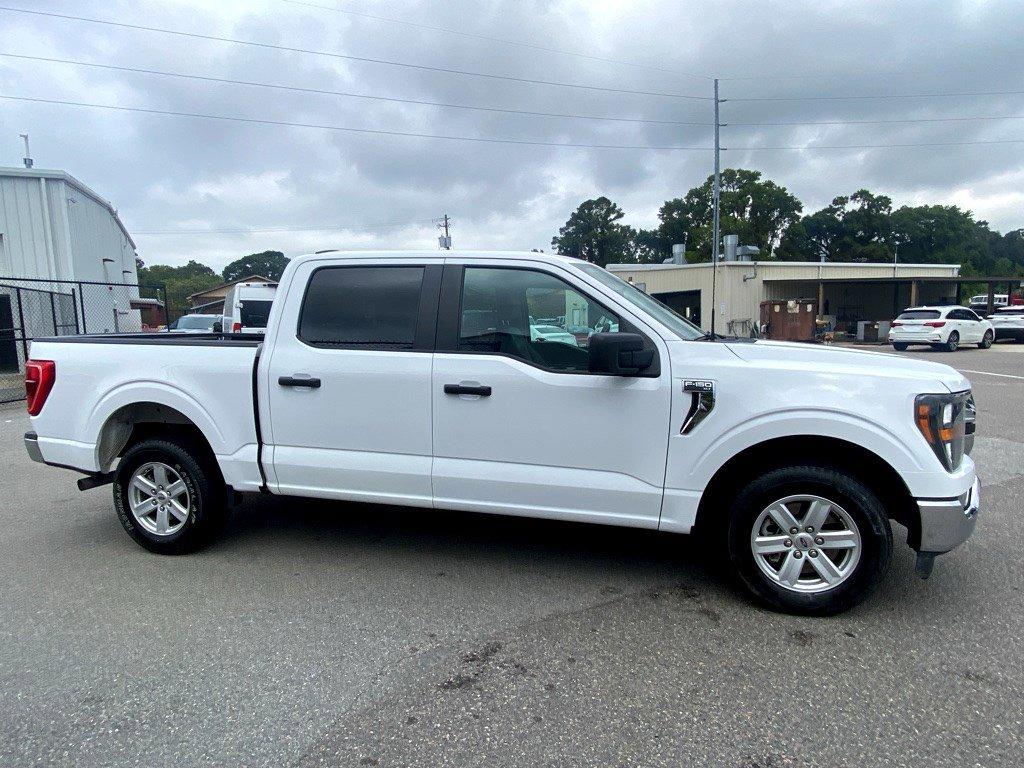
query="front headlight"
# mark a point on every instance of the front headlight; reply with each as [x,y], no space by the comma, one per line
[943,421]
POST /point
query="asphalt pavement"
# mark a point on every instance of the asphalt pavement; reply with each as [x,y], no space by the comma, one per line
[316,633]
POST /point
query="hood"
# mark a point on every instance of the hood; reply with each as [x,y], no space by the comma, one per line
[844,360]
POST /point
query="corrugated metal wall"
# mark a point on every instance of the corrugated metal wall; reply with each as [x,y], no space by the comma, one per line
[51,229]
[742,286]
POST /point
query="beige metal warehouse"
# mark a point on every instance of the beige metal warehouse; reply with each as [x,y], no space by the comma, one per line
[846,291]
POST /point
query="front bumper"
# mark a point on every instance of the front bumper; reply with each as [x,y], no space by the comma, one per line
[947,523]
[32,447]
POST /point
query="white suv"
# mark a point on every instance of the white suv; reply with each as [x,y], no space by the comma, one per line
[943,328]
[1009,322]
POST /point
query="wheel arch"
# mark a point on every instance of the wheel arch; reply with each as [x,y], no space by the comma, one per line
[843,455]
[132,422]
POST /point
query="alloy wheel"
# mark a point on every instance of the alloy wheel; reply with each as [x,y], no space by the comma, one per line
[806,543]
[159,498]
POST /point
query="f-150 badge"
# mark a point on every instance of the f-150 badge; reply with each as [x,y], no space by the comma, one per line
[703,395]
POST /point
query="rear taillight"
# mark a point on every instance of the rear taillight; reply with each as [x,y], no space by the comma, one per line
[935,323]
[236,327]
[39,378]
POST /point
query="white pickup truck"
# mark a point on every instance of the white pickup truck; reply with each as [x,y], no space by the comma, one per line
[414,379]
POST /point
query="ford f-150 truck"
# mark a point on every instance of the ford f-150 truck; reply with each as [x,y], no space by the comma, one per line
[414,379]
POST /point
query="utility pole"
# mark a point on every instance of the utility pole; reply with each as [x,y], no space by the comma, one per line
[716,196]
[445,241]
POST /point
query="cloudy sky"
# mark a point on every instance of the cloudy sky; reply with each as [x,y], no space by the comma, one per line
[193,187]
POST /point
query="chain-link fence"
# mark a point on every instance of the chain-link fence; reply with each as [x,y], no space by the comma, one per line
[31,308]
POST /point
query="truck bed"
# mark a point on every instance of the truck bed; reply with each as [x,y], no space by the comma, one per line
[208,378]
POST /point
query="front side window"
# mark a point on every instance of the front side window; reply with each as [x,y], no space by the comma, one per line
[362,307]
[662,312]
[532,316]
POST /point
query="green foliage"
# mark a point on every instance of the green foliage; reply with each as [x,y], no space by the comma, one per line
[594,233]
[269,264]
[180,282]
[861,227]
[756,209]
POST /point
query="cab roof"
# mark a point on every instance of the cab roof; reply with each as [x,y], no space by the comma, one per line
[538,256]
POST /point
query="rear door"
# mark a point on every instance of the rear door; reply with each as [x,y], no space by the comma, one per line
[348,381]
[975,328]
[520,426]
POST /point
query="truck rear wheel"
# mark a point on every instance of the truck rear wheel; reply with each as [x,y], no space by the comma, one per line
[169,495]
[809,539]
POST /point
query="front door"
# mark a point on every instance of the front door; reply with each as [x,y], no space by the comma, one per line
[520,426]
[349,382]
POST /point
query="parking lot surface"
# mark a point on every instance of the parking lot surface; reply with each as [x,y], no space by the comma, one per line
[354,634]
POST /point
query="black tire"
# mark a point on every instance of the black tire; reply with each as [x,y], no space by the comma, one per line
[986,341]
[859,502]
[900,346]
[952,342]
[207,494]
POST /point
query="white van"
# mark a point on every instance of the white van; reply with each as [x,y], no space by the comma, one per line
[247,307]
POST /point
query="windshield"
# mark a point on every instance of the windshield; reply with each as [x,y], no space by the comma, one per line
[919,315]
[664,314]
[255,313]
[197,321]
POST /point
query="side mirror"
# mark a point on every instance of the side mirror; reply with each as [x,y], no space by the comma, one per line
[619,354]
[218,327]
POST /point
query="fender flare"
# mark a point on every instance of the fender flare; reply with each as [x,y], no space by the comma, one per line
[148,391]
[820,423]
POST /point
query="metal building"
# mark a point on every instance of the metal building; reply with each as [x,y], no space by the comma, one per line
[54,227]
[843,293]
[67,265]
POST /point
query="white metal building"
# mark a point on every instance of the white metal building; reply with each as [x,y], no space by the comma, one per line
[847,291]
[52,226]
[65,258]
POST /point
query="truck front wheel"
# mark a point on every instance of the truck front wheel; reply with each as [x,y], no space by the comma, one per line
[809,539]
[169,495]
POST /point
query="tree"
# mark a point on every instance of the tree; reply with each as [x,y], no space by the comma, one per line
[853,228]
[269,264]
[180,283]
[756,209]
[593,233]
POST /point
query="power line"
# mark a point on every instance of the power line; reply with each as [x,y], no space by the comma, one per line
[877,146]
[944,94]
[377,131]
[347,57]
[880,122]
[493,140]
[503,41]
[247,230]
[325,92]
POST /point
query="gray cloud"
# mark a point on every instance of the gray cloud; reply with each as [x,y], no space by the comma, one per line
[171,172]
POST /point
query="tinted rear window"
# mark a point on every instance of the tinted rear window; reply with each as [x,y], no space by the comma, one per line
[1019,310]
[255,312]
[919,315]
[364,307]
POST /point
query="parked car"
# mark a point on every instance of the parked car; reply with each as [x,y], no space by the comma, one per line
[789,460]
[247,307]
[979,302]
[944,328]
[195,324]
[551,334]
[1008,323]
